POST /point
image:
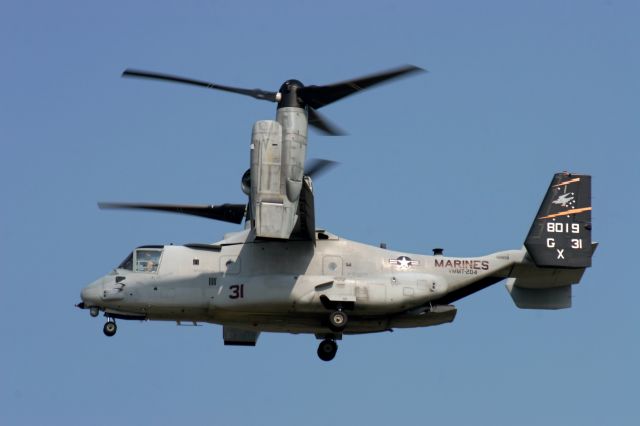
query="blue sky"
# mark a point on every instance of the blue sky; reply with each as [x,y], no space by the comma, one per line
[458,158]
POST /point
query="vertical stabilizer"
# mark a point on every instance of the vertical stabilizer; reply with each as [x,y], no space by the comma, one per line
[560,236]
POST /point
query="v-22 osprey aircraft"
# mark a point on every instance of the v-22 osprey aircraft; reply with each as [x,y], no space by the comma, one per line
[281,274]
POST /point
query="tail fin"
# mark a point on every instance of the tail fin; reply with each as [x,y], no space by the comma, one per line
[560,236]
[559,246]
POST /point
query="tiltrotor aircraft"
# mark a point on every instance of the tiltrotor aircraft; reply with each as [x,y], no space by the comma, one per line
[281,274]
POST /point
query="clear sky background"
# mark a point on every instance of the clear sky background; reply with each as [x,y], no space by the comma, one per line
[458,158]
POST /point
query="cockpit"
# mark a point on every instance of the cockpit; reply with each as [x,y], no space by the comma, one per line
[143,259]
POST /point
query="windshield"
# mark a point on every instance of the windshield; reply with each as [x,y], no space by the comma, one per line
[145,260]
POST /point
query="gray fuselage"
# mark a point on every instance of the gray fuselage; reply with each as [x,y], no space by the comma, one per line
[289,286]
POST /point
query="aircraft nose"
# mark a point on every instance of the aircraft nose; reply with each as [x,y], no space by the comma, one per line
[90,295]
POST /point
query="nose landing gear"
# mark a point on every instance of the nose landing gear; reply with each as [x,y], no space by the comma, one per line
[327,349]
[110,327]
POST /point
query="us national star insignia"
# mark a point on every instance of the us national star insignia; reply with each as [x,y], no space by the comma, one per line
[404,262]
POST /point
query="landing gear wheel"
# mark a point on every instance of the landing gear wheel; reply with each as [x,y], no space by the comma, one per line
[327,349]
[109,328]
[338,320]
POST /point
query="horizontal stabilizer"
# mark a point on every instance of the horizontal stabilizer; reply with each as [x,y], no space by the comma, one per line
[534,277]
[539,298]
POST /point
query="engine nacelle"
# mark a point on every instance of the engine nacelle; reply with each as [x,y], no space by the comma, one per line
[294,148]
[278,151]
[274,215]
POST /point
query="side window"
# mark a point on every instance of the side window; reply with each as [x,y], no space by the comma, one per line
[127,263]
[147,260]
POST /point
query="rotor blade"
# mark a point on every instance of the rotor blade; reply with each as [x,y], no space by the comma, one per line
[254,93]
[233,213]
[318,166]
[319,96]
[323,125]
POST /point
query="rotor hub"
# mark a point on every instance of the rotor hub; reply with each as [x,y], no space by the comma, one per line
[288,94]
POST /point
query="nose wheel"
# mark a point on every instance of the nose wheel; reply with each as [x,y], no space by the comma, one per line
[110,328]
[327,349]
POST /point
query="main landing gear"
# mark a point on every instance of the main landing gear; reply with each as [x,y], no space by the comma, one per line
[110,327]
[338,320]
[338,317]
[327,349]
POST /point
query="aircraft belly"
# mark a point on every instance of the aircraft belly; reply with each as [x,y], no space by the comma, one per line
[316,323]
[179,314]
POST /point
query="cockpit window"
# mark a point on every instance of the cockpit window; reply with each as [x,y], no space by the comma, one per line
[127,263]
[147,260]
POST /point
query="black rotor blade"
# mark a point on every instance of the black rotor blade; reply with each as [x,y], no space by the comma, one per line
[233,213]
[323,124]
[254,93]
[318,166]
[319,96]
